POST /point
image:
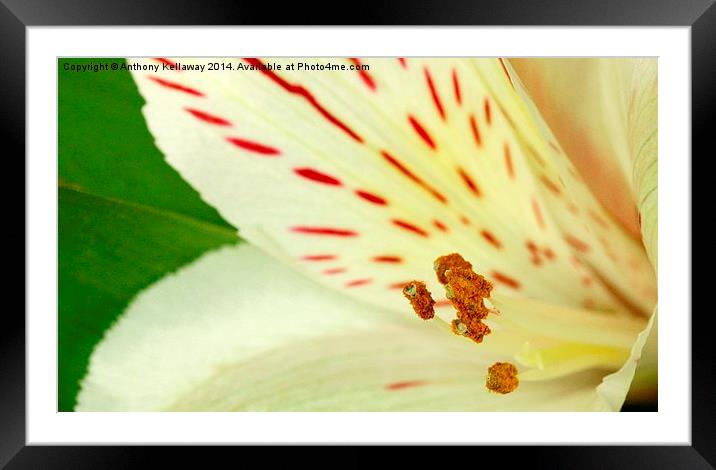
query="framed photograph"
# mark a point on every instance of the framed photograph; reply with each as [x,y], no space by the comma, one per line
[389,232]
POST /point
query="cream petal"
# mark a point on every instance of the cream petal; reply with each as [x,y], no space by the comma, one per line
[572,97]
[614,255]
[604,113]
[359,180]
[378,371]
[643,140]
[235,330]
[614,387]
[612,137]
[228,306]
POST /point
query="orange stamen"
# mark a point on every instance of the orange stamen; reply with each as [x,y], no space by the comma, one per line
[420,299]
[451,261]
[502,378]
[466,290]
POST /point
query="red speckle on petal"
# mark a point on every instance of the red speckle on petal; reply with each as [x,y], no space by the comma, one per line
[306,95]
[440,226]
[370,197]
[409,227]
[475,130]
[465,221]
[176,86]
[317,176]
[538,213]
[403,385]
[534,252]
[469,182]
[576,243]
[508,161]
[387,259]
[358,282]
[456,87]
[363,74]
[332,271]
[488,112]
[420,130]
[253,146]
[337,232]
[505,279]
[415,178]
[318,257]
[434,93]
[206,117]
[491,238]
[549,254]
[403,63]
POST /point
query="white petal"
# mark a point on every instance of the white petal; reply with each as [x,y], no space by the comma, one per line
[558,341]
[609,132]
[613,254]
[377,371]
[235,330]
[643,140]
[361,186]
[604,112]
[229,305]
[575,96]
[614,388]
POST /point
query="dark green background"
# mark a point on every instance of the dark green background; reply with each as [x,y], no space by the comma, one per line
[126,218]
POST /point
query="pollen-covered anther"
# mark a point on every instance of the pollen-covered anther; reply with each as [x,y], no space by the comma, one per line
[476,334]
[466,290]
[502,378]
[478,331]
[420,299]
[448,262]
[458,327]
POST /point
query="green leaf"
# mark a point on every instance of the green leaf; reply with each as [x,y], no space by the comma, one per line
[106,149]
[126,218]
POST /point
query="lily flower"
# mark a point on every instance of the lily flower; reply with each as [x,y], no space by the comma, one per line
[346,186]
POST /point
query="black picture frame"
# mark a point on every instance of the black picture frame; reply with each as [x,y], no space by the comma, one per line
[17,15]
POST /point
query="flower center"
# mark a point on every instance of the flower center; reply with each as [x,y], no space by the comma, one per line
[556,340]
[466,290]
